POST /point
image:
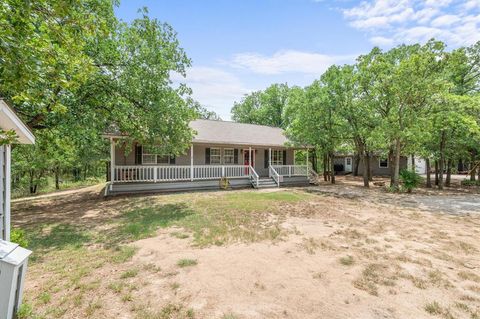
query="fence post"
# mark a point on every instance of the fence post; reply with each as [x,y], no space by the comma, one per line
[223,171]
[289,171]
[155,174]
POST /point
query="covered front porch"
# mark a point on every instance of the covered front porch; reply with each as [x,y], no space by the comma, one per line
[204,166]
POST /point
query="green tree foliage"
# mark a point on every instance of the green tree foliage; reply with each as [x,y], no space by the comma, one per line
[412,99]
[410,180]
[72,70]
[263,107]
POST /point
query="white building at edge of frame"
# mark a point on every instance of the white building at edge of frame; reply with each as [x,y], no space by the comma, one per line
[9,121]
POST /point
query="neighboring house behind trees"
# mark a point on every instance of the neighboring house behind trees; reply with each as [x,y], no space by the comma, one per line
[379,165]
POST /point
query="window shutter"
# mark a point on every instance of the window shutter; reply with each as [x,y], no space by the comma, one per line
[265,159]
[284,157]
[235,156]
[138,154]
[172,160]
[207,156]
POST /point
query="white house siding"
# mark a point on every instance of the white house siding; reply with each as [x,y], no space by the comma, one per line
[2,192]
[420,165]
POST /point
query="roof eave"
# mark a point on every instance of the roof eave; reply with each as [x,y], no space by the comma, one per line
[10,121]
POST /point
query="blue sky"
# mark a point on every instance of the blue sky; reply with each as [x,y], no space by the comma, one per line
[239,46]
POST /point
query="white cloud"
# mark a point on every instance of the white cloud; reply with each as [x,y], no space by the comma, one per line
[214,88]
[287,62]
[388,22]
[381,41]
[445,20]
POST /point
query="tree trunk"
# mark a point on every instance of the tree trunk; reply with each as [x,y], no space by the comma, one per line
[396,175]
[57,178]
[32,188]
[472,165]
[366,170]
[392,167]
[332,171]
[442,161]
[357,164]
[449,173]
[436,172]
[413,163]
[325,167]
[429,178]
[369,166]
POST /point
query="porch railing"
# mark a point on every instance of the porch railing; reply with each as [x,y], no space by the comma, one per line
[274,174]
[291,170]
[253,176]
[137,173]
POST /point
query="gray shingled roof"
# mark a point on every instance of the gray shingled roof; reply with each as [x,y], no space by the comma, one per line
[224,132]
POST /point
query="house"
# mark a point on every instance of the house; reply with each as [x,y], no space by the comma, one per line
[380,166]
[222,154]
[9,121]
[13,258]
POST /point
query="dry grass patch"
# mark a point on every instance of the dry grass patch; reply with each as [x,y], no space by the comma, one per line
[169,311]
[434,308]
[182,263]
[347,260]
[467,275]
[374,275]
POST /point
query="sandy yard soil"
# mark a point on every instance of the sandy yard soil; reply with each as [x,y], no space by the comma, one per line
[320,252]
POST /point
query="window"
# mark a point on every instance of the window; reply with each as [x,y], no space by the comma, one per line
[228,156]
[215,156]
[383,162]
[150,156]
[277,157]
[349,161]
[163,159]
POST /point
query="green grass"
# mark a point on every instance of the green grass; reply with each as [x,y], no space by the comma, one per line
[179,235]
[124,253]
[129,274]
[186,262]
[346,261]
[218,220]
[48,186]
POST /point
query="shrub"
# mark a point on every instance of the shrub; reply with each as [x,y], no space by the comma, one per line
[467,182]
[410,180]
[18,236]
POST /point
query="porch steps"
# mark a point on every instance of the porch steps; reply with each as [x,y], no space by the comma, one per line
[266,183]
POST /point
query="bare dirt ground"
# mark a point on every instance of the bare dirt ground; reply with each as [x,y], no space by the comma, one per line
[320,252]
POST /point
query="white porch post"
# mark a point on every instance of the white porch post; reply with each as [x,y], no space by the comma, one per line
[269,160]
[7,191]
[112,162]
[294,152]
[191,163]
[250,156]
[307,162]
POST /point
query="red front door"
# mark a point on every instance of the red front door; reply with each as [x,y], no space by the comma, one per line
[246,158]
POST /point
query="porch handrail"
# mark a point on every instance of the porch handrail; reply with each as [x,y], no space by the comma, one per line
[292,170]
[253,175]
[273,174]
[164,173]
